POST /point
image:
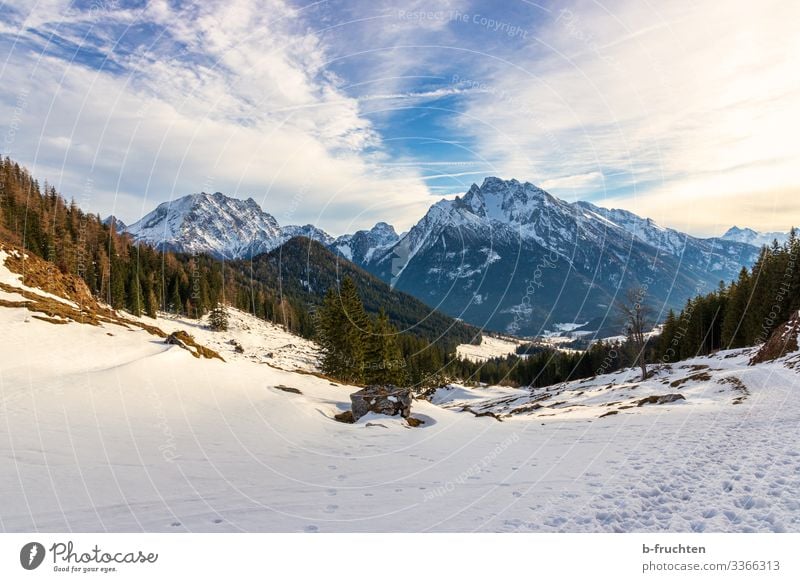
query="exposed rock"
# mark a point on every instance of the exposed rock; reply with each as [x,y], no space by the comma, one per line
[346,417]
[482,413]
[182,339]
[289,389]
[699,377]
[609,413]
[663,399]
[415,422]
[389,400]
[781,342]
[176,339]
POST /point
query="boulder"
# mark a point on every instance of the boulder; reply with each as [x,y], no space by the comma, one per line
[389,400]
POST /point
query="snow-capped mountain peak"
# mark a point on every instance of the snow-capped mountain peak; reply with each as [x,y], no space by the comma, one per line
[118,225]
[508,201]
[360,246]
[215,223]
[753,237]
[507,252]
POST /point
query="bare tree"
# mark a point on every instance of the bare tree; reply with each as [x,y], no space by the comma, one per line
[636,316]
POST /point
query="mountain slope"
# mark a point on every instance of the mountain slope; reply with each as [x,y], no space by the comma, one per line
[217,224]
[122,432]
[304,270]
[213,223]
[511,257]
[752,237]
[360,247]
[507,255]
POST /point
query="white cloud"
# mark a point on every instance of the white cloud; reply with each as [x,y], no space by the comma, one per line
[239,101]
[688,106]
[672,99]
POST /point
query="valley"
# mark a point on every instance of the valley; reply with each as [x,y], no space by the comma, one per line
[107,428]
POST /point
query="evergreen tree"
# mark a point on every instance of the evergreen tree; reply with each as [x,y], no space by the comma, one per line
[175,301]
[218,318]
[384,360]
[342,328]
[733,321]
[330,321]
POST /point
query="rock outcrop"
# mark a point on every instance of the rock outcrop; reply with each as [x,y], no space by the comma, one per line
[389,400]
[782,341]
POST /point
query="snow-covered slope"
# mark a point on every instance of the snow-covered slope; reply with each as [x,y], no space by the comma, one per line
[106,428]
[490,347]
[361,246]
[308,231]
[118,225]
[511,257]
[215,223]
[226,227]
[752,237]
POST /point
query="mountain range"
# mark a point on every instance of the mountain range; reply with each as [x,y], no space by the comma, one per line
[750,236]
[507,255]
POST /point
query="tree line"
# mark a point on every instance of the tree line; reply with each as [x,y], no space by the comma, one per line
[740,314]
[144,280]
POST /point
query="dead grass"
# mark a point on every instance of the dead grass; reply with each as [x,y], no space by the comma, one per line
[43,275]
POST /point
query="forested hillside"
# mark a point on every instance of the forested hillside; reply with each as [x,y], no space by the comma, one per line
[284,286]
[742,313]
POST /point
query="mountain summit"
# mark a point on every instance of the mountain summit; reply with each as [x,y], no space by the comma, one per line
[506,255]
[510,256]
[214,223]
[750,236]
[223,226]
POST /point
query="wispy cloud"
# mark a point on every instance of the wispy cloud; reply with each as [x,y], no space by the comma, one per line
[660,108]
[343,113]
[220,95]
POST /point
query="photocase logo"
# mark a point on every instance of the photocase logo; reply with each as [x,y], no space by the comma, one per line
[31,555]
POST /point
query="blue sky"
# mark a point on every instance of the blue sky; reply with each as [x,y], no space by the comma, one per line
[345,113]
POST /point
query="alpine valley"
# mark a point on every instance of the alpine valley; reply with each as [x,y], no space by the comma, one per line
[506,256]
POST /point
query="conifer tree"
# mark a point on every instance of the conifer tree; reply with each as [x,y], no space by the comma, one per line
[733,322]
[175,297]
[218,318]
[342,328]
[384,360]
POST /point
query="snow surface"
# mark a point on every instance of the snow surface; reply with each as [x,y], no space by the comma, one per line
[262,342]
[108,428]
[490,347]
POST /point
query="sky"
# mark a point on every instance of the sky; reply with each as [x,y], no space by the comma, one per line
[344,113]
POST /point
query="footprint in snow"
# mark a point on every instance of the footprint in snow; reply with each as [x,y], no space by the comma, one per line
[311,529]
[747,502]
[175,524]
[331,508]
[732,516]
[217,521]
[331,492]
